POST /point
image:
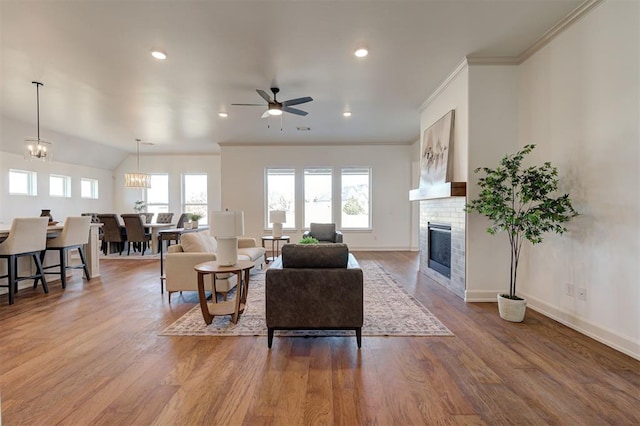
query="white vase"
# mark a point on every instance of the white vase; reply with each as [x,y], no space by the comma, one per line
[194,224]
[511,310]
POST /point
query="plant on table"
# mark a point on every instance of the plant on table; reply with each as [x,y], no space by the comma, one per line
[194,217]
[520,202]
[139,206]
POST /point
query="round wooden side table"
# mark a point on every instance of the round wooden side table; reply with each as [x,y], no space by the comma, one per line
[229,307]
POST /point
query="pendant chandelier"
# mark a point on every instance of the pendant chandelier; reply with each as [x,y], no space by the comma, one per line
[36,148]
[137,180]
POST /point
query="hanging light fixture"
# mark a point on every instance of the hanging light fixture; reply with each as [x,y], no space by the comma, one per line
[137,180]
[36,148]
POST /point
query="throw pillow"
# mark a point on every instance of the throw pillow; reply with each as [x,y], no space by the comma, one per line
[197,242]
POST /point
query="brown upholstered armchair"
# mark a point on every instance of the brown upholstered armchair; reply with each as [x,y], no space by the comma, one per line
[324,233]
[314,287]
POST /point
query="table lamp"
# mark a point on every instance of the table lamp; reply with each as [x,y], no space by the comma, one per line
[277,217]
[227,227]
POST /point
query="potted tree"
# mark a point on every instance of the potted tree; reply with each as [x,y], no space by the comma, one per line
[520,201]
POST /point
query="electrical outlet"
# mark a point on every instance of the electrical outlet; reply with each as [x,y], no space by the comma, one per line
[569,289]
[582,294]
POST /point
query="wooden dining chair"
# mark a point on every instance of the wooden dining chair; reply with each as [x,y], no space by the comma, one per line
[27,237]
[75,234]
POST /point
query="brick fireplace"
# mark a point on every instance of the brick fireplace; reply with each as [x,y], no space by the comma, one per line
[450,212]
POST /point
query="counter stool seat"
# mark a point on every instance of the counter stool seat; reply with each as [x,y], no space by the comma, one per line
[27,237]
[75,234]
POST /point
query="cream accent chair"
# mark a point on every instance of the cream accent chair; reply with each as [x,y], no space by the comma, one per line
[75,234]
[198,247]
[27,237]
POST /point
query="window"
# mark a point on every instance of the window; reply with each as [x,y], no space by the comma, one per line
[158,195]
[281,195]
[194,192]
[59,186]
[356,199]
[317,196]
[89,188]
[23,182]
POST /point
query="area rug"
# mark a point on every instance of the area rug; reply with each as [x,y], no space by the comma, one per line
[388,311]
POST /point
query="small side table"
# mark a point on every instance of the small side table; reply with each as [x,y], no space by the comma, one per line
[229,307]
[275,245]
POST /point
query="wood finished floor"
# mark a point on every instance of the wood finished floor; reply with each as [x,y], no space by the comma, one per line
[91,354]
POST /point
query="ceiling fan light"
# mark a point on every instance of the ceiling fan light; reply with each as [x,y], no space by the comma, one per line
[346,114]
[223,114]
[275,111]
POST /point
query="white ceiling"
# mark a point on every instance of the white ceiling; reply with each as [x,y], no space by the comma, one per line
[101,84]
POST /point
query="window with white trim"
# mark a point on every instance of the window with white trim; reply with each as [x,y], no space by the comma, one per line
[356,198]
[59,186]
[317,196]
[157,197]
[23,182]
[194,195]
[89,188]
[281,195]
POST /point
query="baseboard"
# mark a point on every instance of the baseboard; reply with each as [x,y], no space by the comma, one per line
[355,248]
[481,296]
[603,335]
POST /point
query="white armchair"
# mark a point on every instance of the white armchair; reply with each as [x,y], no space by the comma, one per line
[198,247]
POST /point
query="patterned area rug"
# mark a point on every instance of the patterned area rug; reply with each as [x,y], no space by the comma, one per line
[388,311]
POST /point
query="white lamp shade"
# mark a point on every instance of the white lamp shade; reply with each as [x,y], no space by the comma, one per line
[277,216]
[227,224]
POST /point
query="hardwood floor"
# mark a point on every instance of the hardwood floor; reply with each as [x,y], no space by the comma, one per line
[91,354]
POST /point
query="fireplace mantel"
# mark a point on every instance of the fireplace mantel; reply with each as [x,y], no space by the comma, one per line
[442,190]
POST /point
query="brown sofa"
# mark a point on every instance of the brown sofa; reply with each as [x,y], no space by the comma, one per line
[314,287]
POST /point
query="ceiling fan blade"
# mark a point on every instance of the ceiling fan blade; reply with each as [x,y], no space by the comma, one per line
[248,105]
[264,95]
[295,111]
[297,101]
[266,114]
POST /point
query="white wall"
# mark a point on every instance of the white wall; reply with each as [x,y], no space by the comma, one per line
[23,205]
[579,102]
[243,186]
[493,132]
[454,95]
[175,166]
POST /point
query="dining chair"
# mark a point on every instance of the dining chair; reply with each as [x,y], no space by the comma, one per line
[164,218]
[75,234]
[136,232]
[113,232]
[169,237]
[27,237]
[148,217]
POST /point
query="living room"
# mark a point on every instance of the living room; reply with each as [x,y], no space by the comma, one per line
[575,97]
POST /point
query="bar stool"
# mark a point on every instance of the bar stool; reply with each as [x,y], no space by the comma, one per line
[27,237]
[75,234]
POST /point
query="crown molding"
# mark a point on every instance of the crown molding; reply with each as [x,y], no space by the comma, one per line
[311,144]
[460,67]
[493,60]
[574,16]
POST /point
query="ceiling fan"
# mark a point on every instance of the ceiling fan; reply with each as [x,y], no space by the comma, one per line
[277,108]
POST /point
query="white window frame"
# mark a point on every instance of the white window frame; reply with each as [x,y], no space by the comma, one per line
[369,226]
[304,195]
[205,219]
[32,182]
[291,212]
[93,188]
[66,185]
[157,207]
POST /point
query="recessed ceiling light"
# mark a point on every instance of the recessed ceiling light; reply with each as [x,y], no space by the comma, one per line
[223,114]
[346,114]
[158,53]
[361,52]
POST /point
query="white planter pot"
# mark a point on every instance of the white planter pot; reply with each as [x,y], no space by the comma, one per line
[194,224]
[511,310]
